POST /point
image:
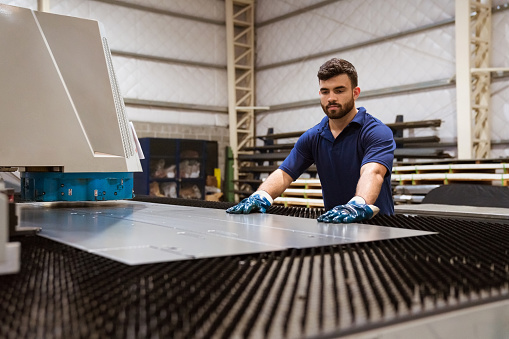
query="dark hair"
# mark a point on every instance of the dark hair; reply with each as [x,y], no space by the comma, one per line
[334,67]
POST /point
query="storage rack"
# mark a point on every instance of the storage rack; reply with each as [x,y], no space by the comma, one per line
[175,167]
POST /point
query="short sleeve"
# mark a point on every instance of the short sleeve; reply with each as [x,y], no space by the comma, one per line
[378,143]
[300,158]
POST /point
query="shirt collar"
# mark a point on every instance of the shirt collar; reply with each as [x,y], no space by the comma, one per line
[324,129]
[359,117]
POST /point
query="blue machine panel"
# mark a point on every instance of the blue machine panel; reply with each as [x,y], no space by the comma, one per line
[57,186]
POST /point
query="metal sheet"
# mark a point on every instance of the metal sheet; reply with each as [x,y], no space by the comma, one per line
[138,233]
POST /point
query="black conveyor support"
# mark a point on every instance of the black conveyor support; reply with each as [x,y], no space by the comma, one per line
[63,292]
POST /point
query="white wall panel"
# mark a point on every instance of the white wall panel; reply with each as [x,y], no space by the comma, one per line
[269,9]
[343,23]
[412,59]
[500,110]
[289,83]
[149,80]
[417,58]
[179,117]
[266,10]
[210,9]
[142,32]
[32,4]
[500,39]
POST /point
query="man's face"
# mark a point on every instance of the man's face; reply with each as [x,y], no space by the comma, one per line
[337,96]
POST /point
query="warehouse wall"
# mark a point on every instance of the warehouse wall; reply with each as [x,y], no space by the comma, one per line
[404,52]
[170,59]
[170,62]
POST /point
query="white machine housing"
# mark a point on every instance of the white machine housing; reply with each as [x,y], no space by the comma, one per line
[10,252]
[60,104]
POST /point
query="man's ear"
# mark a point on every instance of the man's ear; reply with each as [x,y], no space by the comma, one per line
[356,92]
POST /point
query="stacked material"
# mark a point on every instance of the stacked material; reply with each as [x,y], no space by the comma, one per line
[411,183]
[302,192]
[483,173]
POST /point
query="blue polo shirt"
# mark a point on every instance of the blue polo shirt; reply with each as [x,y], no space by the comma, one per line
[338,161]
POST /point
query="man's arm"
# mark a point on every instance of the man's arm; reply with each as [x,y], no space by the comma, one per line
[263,198]
[277,182]
[370,182]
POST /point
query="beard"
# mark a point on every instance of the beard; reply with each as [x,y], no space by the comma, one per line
[342,110]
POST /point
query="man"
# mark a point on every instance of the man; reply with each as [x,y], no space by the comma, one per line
[352,150]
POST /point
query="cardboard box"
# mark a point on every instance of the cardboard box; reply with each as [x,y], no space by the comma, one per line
[214,196]
[211,181]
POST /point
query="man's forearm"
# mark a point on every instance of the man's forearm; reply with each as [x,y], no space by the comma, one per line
[370,182]
[276,183]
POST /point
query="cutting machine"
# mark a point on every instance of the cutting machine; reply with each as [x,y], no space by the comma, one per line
[63,121]
[63,124]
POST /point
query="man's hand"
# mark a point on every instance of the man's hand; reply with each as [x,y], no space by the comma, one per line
[258,201]
[354,211]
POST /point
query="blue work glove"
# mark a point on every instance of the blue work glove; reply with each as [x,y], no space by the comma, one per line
[354,211]
[258,201]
